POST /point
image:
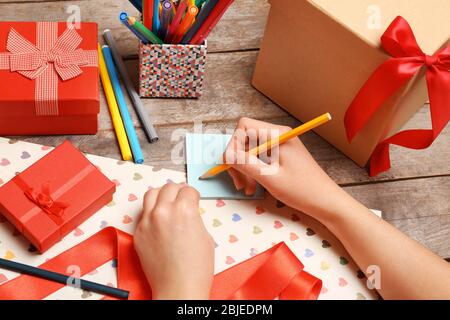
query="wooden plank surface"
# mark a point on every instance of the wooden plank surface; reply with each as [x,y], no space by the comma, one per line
[433,232]
[413,195]
[228,95]
[418,207]
[241,28]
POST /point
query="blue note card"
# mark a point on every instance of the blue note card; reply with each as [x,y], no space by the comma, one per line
[203,152]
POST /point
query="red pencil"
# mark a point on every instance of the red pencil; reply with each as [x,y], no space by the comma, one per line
[182,6]
[211,21]
[148,13]
[185,24]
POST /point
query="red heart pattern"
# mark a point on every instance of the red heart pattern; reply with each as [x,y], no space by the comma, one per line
[229,260]
[132,197]
[220,203]
[232,238]
[260,210]
[277,224]
[127,219]
[78,232]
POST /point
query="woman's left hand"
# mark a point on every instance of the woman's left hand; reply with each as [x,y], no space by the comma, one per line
[175,249]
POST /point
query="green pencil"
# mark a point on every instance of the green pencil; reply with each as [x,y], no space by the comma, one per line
[199,3]
[150,36]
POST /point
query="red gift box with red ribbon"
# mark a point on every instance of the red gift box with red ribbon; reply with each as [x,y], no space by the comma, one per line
[48,78]
[54,195]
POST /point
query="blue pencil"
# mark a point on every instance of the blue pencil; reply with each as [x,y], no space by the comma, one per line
[156,23]
[123,18]
[127,122]
[137,4]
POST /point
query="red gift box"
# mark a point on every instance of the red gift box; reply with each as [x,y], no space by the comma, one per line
[54,195]
[48,78]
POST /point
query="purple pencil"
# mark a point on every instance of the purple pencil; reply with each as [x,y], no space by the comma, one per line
[166,17]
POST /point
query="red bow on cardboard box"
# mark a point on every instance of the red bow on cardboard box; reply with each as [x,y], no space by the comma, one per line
[50,58]
[407,60]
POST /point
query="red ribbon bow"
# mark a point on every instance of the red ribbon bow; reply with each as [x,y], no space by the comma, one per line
[407,60]
[52,56]
[31,61]
[45,201]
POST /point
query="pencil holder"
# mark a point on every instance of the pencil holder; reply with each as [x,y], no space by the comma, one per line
[171,71]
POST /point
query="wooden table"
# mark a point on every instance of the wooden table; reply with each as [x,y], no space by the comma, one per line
[414,196]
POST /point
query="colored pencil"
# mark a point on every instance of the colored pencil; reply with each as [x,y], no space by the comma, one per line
[114,109]
[199,3]
[202,17]
[123,16]
[210,22]
[148,14]
[137,4]
[128,123]
[165,18]
[273,143]
[63,279]
[147,125]
[176,21]
[156,24]
[174,7]
[150,36]
[185,24]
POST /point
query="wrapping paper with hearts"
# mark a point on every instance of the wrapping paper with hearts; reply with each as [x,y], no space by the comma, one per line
[241,229]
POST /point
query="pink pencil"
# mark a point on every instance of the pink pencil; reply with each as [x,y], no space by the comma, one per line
[176,21]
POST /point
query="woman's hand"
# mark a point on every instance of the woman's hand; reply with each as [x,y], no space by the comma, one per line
[292,176]
[175,249]
[288,172]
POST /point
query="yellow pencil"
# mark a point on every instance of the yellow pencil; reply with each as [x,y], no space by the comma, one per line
[273,143]
[113,108]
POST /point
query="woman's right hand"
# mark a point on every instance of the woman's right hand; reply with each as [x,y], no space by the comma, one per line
[294,178]
[288,172]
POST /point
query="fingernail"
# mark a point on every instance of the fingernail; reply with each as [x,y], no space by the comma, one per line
[238,186]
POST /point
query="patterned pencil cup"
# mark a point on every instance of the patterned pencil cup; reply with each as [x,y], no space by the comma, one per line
[171,71]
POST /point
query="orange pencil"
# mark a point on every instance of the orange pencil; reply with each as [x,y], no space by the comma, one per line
[273,143]
[174,7]
[185,24]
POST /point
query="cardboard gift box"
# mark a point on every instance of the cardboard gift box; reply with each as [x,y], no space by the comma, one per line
[48,78]
[54,195]
[317,54]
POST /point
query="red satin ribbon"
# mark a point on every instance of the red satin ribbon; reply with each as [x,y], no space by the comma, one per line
[407,60]
[274,273]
